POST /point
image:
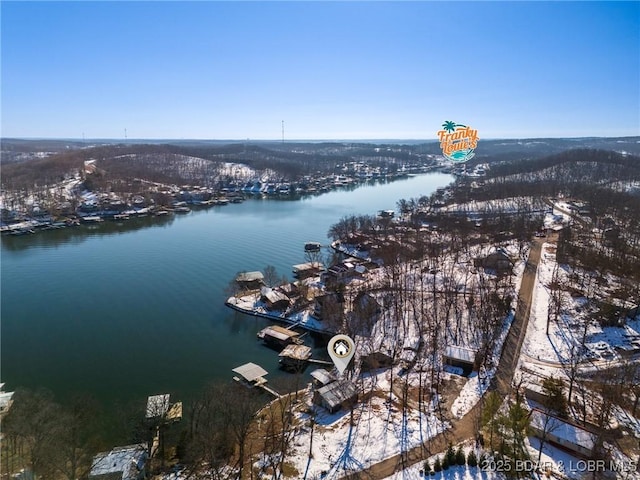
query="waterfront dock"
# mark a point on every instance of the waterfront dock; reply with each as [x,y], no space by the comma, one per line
[249,306]
[253,376]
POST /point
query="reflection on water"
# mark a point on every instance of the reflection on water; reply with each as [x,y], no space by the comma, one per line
[129,309]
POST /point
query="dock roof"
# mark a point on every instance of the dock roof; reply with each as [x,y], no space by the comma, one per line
[250,371]
[301,267]
[249,277]
[157,405]
[278,332]
[297,352]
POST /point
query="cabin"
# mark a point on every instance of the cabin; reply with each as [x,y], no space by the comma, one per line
[498,260]
[274,299]
[460,357]
[294,357]
[562,433]
[121,463]
[336,395]
[279,337]
[329,307]
[250,280]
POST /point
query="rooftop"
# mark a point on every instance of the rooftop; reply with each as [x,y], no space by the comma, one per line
[122,462]
[250,371]
[157,405]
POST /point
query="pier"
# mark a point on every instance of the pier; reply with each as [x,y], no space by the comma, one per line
[253,376]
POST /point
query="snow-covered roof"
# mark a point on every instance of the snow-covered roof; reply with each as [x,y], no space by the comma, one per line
[322,376]
[337,392]
[250,371]
[560,429]
[249,277]
[460,353]
[128,461]
[5,399]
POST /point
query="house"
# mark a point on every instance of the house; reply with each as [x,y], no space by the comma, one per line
[274,299]
[121,463]
[562,433]
[336,395]
[250,280]
[329,307]
[342,272]
[498,260]
[365,305]
[460,357]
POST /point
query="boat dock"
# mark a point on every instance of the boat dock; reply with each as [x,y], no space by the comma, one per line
[253,376]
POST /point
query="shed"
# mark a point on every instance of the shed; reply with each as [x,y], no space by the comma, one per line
[121,463]
[321,377]
[460,357]
[336,395]
[562,433]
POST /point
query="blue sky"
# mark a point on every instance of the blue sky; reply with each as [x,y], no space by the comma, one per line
[330,70]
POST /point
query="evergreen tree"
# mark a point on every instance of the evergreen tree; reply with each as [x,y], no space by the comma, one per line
[472,459]
[450,456]
[437,466]
[460,457]
[556,400]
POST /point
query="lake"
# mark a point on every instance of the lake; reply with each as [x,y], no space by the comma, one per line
[123,311]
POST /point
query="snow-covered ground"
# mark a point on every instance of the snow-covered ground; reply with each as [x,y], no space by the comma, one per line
[378,429]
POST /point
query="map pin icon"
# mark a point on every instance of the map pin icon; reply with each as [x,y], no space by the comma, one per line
[341,350]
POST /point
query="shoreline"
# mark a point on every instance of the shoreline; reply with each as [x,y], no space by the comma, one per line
[304,321]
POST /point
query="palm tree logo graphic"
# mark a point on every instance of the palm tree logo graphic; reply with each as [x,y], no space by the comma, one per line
[449,126]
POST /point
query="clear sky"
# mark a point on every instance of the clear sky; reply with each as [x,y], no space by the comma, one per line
[330,70]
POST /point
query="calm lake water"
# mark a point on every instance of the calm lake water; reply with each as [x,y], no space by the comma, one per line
[123,311]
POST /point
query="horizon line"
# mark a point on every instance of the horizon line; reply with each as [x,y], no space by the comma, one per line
[323,140]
